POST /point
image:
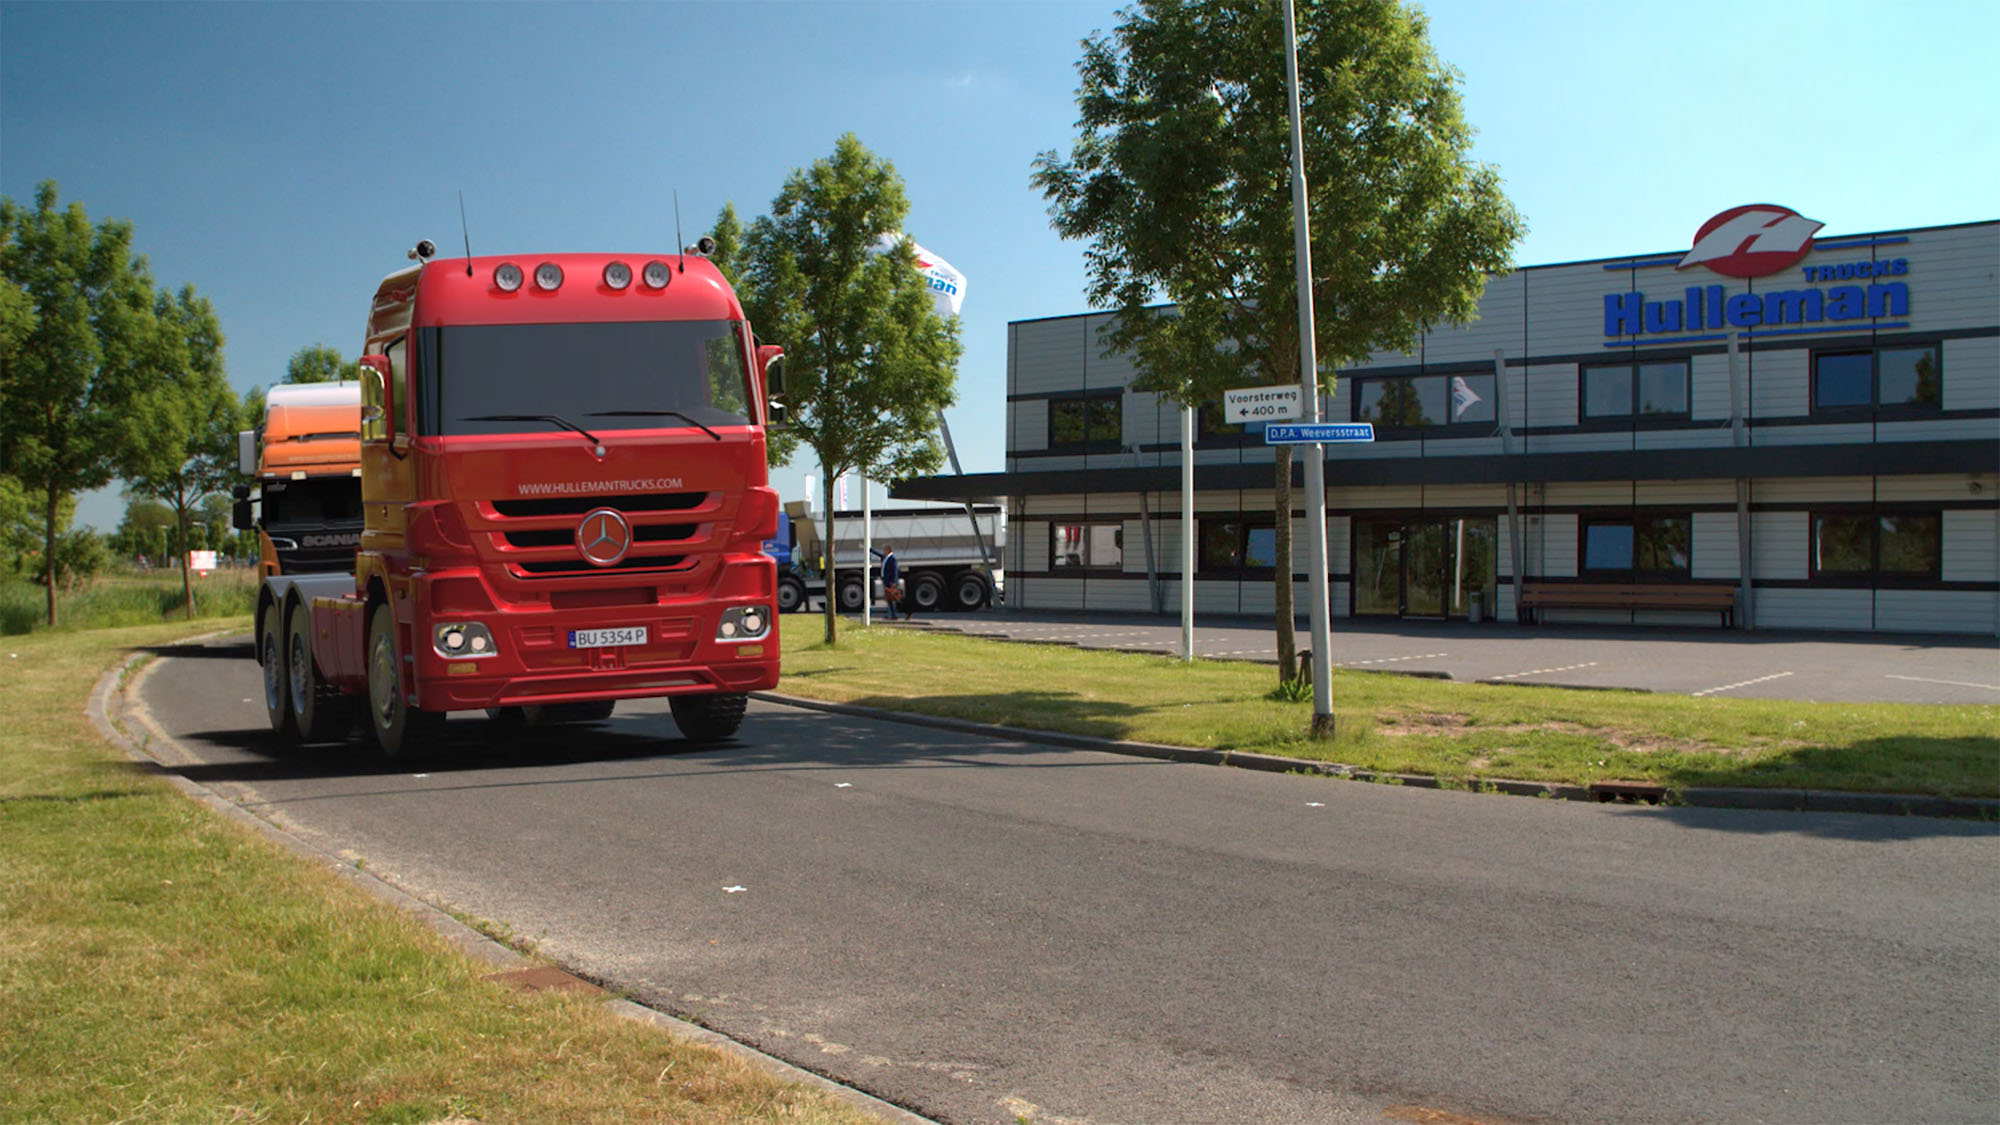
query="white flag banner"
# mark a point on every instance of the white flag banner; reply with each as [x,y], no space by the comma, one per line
[947,285]
[1463,398]
[840,484]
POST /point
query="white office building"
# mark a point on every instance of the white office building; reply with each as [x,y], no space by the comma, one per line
[1770,428]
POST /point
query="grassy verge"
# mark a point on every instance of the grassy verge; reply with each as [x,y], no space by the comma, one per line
[125,597]
[159,963]
[1457,732]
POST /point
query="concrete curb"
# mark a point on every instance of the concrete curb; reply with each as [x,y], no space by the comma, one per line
[106,714]
[1778,800]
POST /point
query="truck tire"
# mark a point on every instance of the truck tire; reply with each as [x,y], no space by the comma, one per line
[708,718]
[791,595]
[399,728]
[969,591]
[926,593]
[271,654]
[851,596]
[320,712]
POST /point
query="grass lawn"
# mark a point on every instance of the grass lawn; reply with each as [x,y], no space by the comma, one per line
[159,963]
[1461,733]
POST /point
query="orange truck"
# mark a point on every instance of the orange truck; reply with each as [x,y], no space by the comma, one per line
[306,459]
[563,493]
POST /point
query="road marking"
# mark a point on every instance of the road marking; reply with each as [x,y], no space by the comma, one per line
[1541,671]
[1745,683]
[1952,683]
[733,890]
[1397,659]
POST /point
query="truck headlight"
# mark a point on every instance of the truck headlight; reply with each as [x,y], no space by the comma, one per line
[743,623]
[463,640]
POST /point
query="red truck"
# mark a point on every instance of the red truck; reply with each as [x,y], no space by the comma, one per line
[563,498]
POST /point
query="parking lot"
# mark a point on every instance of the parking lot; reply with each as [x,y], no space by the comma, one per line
[1712,662]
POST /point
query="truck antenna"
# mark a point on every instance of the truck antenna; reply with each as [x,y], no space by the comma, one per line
[466,230]
[677,228]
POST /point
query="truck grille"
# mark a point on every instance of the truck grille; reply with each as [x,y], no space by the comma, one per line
[537,538]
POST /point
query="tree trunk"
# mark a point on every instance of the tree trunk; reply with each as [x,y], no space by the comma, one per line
[187,575]
[1288,661]
[49,552]
[832,576]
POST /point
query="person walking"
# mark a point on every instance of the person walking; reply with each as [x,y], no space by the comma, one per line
[892,582]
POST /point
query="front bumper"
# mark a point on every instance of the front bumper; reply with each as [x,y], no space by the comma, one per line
[534,660]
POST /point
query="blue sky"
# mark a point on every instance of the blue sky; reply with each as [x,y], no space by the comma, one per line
[283,156]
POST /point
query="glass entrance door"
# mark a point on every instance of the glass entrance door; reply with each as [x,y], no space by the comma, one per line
[1424,566]
[1378,567]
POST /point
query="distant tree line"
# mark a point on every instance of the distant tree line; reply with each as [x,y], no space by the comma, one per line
[106,376]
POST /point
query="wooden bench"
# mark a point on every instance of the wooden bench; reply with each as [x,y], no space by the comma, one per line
[1539,596]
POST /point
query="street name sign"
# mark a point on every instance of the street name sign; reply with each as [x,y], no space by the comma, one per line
[1316,433]
[1262,404]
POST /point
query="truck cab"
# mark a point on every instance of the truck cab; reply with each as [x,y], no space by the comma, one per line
[563,492]
[306,459]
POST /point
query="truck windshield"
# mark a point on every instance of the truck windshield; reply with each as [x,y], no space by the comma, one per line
[693,368]
[313,502]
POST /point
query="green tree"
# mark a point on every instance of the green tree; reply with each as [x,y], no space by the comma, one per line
[1180,176]
[868,363]
[728,255]
[144,529]
[81,362]
[320,364]
[182,446]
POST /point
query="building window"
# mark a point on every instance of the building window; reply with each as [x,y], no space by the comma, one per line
[1226,546]
[1884,544]
[1086,546]
[1904,375]
[1654,545]
[1093,423]
[1658,388]
[1410,402]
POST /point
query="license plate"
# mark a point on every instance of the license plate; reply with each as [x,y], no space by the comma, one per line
[607,638]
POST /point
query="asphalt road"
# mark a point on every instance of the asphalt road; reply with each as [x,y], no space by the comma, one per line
[1848,667]
[982,930]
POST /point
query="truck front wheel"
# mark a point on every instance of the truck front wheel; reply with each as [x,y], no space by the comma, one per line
[271,653]
[321,712]
[399,728]
[791,595]
[708,718]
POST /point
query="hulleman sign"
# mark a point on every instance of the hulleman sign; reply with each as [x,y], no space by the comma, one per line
[1756,241]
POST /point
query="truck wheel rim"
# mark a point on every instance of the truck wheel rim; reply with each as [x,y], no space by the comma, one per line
[274,680]
[301,670]
[382,678]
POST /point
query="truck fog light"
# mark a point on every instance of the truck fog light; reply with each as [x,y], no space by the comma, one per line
[743,623]
[656,275]
[617,275]
[548,277]
[507,276]
[459,640]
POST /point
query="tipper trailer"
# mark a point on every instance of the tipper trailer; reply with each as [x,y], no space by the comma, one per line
[306,458]
[564,494]
[949,557]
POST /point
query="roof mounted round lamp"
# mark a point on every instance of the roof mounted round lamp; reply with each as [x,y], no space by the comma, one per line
[656,275]
[548,277]
[507,277]
[617,275]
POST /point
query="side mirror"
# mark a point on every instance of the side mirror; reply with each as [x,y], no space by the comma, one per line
[246,452]
[771,361]
[240,492]
[239,516]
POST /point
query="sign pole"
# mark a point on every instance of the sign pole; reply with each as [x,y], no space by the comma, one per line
[1322,660]
[1187,534]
